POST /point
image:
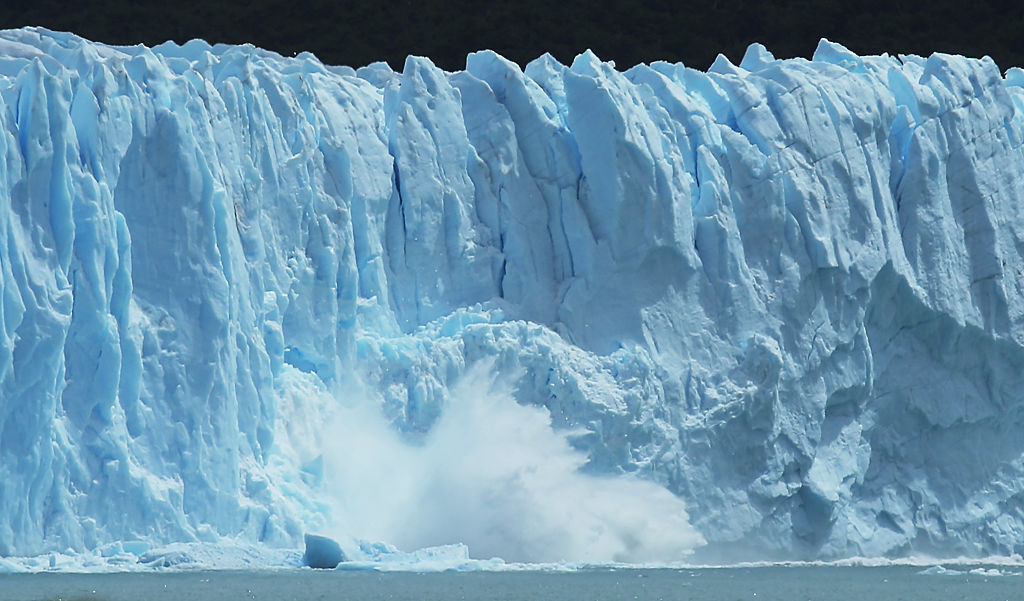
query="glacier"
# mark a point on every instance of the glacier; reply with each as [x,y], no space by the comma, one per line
[774,310]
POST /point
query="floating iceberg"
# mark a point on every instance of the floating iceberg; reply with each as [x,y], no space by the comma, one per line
[789,292]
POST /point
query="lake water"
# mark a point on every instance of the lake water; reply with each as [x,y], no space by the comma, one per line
[802,583]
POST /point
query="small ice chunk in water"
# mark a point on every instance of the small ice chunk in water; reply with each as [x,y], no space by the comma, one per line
[322,552]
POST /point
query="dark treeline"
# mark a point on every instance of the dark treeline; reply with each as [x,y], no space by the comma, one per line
[357,33]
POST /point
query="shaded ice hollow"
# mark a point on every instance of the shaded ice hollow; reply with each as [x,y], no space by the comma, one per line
[788,292]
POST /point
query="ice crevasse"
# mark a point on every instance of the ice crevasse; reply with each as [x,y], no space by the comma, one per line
[790,292]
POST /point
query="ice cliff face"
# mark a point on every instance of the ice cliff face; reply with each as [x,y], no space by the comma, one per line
[791,292]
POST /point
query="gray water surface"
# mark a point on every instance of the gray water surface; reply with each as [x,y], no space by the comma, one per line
[779,583]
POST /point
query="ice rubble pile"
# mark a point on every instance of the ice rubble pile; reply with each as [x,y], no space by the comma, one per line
[792,292]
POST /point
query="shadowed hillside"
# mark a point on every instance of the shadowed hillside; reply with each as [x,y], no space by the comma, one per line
[628,33]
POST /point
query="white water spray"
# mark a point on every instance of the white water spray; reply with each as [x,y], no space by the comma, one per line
[494,475]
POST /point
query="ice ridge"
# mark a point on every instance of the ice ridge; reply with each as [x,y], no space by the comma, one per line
[791,292]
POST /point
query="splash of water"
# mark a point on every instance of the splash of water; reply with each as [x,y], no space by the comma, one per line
[495,475]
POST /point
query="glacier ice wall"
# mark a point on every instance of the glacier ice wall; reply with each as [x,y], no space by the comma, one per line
[791,292]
